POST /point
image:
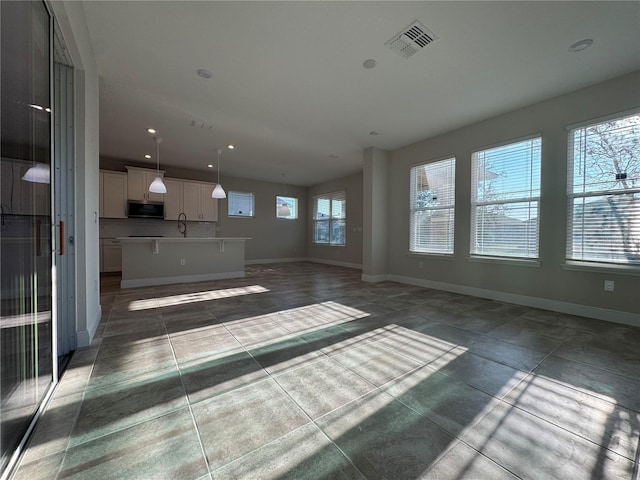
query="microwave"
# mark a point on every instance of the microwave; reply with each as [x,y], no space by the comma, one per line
[145,210]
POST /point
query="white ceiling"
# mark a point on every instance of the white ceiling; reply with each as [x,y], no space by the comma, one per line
[289,88]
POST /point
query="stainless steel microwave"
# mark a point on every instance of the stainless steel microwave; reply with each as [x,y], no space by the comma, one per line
[145,210]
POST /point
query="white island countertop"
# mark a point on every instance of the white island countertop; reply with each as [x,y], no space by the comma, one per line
[150,261]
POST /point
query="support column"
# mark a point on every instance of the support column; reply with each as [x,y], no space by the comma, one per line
[375,235]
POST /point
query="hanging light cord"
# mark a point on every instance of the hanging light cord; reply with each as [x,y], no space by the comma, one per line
[218,151]
[158,140]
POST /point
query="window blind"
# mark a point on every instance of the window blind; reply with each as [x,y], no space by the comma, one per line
[432,207]
[505,197]
[241,204]
[604,192]
[329,218]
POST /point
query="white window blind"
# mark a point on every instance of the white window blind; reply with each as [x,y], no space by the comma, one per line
[432,204]
[329,218]
[505,197]
[604,192]
[286,207]
[241,204]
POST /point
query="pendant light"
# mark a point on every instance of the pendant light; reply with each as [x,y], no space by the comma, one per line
[157,186]
[39,173]
[283,208]
[218,192]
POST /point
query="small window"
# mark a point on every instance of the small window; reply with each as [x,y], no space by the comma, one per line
[505,199]
[241,204]
[286,207]
[432,207]
[329,218]
[604,192]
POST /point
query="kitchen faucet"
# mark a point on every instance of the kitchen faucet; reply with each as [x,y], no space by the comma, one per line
[182,224]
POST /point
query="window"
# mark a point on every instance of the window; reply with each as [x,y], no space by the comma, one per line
[329,218]
[432,207]
[286,207]
[604,192]
[505,197]
[241,204]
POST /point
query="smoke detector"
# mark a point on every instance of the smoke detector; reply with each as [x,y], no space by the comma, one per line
[411,40]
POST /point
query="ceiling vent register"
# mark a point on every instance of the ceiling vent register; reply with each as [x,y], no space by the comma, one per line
[411,40]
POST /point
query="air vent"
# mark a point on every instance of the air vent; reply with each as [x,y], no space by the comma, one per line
[202,125]
[411,40]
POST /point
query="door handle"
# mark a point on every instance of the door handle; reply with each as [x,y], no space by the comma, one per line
[61,237]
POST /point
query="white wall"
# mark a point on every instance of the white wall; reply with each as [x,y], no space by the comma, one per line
[549,285]
[70,17]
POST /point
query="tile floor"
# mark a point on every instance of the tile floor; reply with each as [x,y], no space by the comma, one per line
[302,371]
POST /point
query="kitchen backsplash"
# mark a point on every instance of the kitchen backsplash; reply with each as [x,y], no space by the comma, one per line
[124,227]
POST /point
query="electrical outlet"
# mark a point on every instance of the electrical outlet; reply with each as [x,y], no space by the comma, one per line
[609,285]
[182,261]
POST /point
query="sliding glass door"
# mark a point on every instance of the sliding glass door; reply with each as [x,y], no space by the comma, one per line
[26,356]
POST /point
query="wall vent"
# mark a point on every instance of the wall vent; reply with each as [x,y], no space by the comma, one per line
[411,40]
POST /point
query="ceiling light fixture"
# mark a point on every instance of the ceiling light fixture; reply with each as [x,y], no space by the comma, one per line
[369,64]
[204,73]
[231,146]
[210,166]
[147,156]
[581,45]
[218,192]
[283,208]
[157,186]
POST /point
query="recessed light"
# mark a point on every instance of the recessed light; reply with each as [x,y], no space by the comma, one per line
[204,73]
[373,133]
[151,130]
[231,147]
[210,166]
[369,64]
[147,156]
[581,45]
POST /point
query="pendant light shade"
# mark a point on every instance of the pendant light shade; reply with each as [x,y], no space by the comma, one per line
[283,210]
[157,186]
[39,173]
[218,192]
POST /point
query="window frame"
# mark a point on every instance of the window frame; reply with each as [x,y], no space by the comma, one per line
[474,255]
[580,262]
[295,202]
[339,195]
[251,214]
[414,210]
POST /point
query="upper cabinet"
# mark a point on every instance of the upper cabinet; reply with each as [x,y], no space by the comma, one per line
[173,201]
[198,204]
[113,194]
[138,181]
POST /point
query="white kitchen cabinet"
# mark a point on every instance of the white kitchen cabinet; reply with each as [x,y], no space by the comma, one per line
[173,199]
[198,204]
[113,194]
[111,255]
[138,181]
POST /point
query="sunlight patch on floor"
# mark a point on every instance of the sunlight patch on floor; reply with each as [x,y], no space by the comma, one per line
[184,298]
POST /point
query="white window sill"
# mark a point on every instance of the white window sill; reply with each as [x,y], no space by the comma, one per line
[601,268]
[435,256]
[519,262]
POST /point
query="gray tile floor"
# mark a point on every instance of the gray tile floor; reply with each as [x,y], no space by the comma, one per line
[302,371]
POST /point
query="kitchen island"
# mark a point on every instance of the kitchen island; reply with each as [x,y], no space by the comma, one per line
[150,261]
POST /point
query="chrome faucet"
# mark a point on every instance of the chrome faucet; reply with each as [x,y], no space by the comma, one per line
[182,224]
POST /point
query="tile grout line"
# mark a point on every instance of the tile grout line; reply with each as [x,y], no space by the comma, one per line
[186,397]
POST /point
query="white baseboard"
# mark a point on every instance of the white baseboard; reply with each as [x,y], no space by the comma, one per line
[615,316]
[148,282]
[357,266]
[84,337]
[274,260]
[374,278]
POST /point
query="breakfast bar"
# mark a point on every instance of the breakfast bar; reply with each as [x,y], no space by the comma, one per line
[150,261]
